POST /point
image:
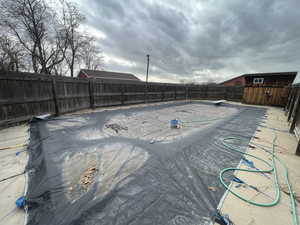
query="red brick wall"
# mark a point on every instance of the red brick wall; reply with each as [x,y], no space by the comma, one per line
[272,80]
[239,81]
[82,75]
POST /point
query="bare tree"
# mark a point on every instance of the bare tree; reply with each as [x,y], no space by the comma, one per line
[71,21]
[91,55]
[61,69]
[50,38]
[11,54]
[32,23]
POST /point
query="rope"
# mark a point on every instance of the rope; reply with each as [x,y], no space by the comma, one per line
[10,213]
[14,147]
[13,176]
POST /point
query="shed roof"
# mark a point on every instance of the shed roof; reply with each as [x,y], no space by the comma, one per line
[293,73]
[101,74]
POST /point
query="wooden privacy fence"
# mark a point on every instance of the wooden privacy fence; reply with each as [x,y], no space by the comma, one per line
[24,95]
[264,95]
[216,92]
[292,110]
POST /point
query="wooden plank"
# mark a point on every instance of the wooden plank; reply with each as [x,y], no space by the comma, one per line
[259,95]
[272,92]
[245,96]
[265,95]
[295,114]
[292,105]
[275,96]
[264,98]
[22,101]
[298,148]
[248,96]
[91,93]
[279,95]
[253,95]
[54,92]
[287,106]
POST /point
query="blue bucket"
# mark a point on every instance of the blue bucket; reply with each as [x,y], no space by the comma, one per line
[174,123]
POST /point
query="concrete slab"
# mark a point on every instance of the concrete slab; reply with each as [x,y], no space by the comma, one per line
[243,213]
[12,140]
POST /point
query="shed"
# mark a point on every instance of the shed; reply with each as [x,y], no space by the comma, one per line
[262,79]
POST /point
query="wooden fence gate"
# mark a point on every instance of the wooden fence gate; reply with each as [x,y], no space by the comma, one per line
[266,95]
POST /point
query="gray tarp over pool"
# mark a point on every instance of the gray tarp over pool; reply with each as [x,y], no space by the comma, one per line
[127,166]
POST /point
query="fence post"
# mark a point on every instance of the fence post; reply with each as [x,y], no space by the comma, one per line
[291,91]
[226,93]
[298,149]
[146,93]
[190,92]
[54,93]
[206,92]
[175,94]
[186,92]
[293,101]
[163,92]
[91,93]
[243,91]
[295,115]
[122,94]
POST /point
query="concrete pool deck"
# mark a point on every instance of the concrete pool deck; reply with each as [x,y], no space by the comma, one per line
[243,213]
[240,213]
[12,140]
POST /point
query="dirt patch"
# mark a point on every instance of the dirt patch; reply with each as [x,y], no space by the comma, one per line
[79,172]
[154,126]
[87,177]
[116,127]
[103,168]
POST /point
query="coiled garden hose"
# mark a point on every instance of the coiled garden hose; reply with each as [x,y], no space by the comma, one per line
[272,169]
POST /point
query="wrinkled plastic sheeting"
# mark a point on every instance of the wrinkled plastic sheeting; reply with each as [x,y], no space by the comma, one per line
[134,180]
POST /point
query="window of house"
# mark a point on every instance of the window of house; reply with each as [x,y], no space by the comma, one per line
[258,80]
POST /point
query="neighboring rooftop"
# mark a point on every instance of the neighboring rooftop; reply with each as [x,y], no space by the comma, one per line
[270,74]
[107,75]
[293,73]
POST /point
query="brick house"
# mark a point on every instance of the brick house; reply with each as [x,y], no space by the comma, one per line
[262,79]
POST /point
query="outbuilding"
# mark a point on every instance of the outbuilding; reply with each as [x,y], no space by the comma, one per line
[262,79]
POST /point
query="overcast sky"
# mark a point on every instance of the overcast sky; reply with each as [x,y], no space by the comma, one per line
[196,40]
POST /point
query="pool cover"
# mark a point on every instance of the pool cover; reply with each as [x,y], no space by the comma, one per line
[127,166]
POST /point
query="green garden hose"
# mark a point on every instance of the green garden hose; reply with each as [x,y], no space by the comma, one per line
[272,169]
[286,176]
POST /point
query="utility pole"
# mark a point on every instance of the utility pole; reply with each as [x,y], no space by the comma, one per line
[148,59]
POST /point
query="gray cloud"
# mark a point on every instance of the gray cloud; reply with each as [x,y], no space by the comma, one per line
[198,40]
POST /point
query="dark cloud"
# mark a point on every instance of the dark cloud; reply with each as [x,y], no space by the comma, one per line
[201,40]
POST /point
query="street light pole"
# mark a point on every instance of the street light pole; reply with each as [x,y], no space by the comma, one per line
[148,59]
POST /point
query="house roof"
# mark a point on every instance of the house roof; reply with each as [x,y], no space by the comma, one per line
[231,79]
[107,75]
[294,73]
[271,74]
